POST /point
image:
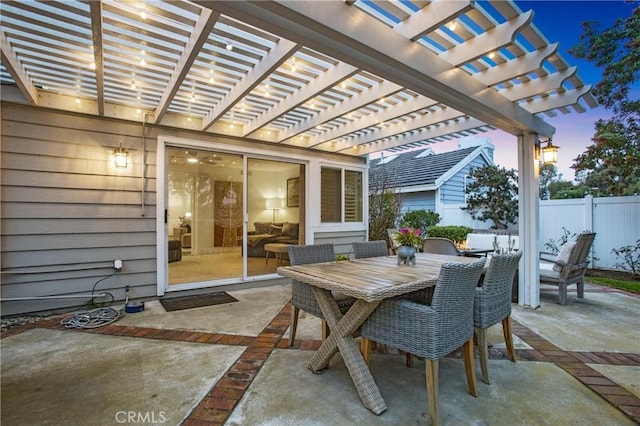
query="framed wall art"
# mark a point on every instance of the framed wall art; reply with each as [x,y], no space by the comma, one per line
[293,192]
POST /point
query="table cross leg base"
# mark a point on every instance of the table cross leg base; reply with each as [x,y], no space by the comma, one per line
[341,339]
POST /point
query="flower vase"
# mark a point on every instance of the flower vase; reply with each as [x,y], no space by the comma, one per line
[406,255]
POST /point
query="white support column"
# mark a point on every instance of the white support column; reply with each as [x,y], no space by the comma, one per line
[528,223]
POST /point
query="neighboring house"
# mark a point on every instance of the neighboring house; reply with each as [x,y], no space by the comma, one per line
[430,181]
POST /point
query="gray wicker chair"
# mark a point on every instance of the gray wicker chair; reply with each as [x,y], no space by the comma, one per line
[432,331]
[302,296]
[569,271]
[493,305]
[369,249]
[440,246]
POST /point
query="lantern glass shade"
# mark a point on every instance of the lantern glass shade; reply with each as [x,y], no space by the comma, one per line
[120,157]
[550,154]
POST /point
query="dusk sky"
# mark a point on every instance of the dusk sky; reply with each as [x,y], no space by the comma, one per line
[561,21]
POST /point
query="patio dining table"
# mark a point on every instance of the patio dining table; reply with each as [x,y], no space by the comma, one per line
[370,281]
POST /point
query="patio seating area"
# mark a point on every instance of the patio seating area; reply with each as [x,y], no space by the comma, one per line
[231,364]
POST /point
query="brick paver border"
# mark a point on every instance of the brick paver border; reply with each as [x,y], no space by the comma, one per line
[216,407]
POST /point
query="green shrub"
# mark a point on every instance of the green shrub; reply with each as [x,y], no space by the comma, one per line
[420,219]
[457,234]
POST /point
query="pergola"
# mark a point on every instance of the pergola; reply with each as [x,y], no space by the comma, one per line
[352,77]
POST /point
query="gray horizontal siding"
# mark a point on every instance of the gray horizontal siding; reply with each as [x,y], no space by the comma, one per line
[340,240]
[413,201]
[67,213]
[452,191]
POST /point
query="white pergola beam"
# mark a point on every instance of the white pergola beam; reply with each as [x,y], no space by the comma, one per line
[432,16]
[523,65]
[394,130]
[327,79]
[199,36]
[438,130]
[13,65]
[398,110]
[559,100]
[278,55]
[349,34]
[95,9]
[385,88]
[539,86]
[490,41]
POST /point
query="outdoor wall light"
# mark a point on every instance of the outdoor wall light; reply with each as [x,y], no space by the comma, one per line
[274,204]
[549,153]
[120,157]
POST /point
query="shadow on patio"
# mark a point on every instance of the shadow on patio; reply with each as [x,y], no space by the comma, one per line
[577,364]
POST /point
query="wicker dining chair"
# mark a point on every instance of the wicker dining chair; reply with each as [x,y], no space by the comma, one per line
[302,296]
[364,249]
[434,331]
[440,246]
[493,305]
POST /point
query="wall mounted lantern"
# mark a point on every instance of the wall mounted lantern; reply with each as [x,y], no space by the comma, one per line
[120,157]
[549,153]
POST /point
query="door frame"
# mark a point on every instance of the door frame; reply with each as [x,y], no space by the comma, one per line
[162,231]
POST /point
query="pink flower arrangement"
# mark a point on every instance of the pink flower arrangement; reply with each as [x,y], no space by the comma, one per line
[409,237]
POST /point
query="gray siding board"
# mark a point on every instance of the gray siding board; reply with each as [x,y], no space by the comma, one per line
[77,211]
[30,226]
[45,179]
[74,225]
[76,196]
[73,256]
[341,240]
[67,213]
[76,240]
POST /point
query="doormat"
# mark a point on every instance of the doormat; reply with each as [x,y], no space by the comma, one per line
[196,301]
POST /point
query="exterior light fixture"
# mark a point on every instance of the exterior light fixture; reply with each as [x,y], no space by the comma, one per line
[229,46]
[549,153]
[120,157]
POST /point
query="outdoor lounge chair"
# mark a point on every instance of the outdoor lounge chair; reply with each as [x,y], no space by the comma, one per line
[568,267]
[432,331]
[493,305]
[302,296]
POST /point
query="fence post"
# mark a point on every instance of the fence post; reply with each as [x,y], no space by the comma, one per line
[588,222]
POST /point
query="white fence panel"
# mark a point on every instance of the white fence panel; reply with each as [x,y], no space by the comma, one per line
[615,220]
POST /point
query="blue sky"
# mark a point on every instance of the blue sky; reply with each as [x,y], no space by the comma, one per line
[561,21]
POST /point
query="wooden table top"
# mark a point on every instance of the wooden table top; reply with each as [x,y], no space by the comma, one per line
[373,278]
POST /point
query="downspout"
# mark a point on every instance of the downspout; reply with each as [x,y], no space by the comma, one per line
[142,179]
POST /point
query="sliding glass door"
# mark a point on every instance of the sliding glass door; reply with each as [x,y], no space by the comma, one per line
[204,215]
[208,241]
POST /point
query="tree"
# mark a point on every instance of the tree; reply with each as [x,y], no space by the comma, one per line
[611,162]
[384,207]
[493,195]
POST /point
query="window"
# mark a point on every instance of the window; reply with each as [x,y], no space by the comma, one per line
[334,206]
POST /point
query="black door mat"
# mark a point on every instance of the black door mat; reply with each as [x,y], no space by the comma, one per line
[196,301]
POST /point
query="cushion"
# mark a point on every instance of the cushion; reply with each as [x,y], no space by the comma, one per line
[262,227]
[275,230]
[564,255]
[290,229]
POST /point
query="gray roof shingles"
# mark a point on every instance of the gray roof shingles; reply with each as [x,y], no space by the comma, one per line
[407,170]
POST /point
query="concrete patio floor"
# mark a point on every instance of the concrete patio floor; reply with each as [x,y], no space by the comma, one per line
[230,364]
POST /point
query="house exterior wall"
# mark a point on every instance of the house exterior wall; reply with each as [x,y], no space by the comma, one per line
[452,190]
[67,212]
[413,201]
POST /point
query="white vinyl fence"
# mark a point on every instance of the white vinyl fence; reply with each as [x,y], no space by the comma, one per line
[615,220]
